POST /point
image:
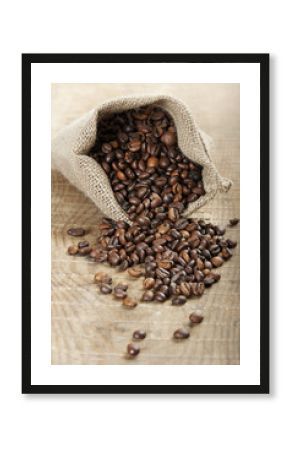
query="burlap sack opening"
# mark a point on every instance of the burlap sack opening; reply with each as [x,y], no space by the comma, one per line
[71,146]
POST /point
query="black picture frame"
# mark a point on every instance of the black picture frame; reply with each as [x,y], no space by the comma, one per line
[27,61]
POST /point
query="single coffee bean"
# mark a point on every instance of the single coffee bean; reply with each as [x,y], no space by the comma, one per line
[226,253]
[76,231]
[152,162]
[106,148]
[233,222]
[139,334]
[84,251]
[181,333]
[121,176]
[114,259]
[105,289]
[135,272]
[129,302]
[149,283]
[209,281]
[173,214]
[83,244]
[195,318]
[179,300]
[231,243]
[119,293]
[148,296]
[102,278]
[133,350]
[73,250]
[160,297]
[216,261]
[185,289]
[122,286]
[169,139]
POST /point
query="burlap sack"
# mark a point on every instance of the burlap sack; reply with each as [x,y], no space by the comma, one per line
[71,146]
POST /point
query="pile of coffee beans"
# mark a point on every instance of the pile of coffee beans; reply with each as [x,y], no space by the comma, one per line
[149,174]
[154,183]
[176,258]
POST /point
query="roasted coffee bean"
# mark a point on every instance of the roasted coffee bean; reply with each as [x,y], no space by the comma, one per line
[102,278]
[231,244]
[159,297]
[179,300]
[216,261]
[185,289]
[195,318]
[152,162]
[173,214]
[165,264]
[233,222]
[226,253]
[148,296]
[123,266]
[181,333]
[119,293]
[135,272]
[122,286]
[209,280]
[105,289]
[169,139]
[83,244]
[133,349]
[149,283]
[76,231]
[73,250]
[163,229]
[106,148]
[129,302]
[114,259]
[84,251]
[139,334]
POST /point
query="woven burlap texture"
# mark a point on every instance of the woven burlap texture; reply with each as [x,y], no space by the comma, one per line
[71,146]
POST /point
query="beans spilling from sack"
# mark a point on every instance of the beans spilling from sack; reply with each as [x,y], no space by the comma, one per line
[153,182]
[148,173]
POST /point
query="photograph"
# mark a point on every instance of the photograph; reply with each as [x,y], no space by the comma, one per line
[145,224]
[147,192]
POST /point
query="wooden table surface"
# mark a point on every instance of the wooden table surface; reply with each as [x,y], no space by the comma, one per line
[91,328]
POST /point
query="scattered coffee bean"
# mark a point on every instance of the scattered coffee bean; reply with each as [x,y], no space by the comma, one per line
[133,349]
[195,318]
[84,251]
[102,278]
[233,222]
[76,231]
[122,286]
[181,333]
[139,334]
[105,289]
[83,244]
[120,294]
[231,244]
[73,250]
[129,302]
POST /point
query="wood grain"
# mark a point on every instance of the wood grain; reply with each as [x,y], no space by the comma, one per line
[91,328]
